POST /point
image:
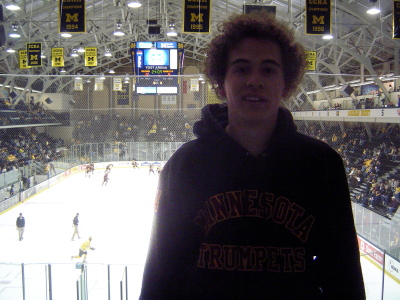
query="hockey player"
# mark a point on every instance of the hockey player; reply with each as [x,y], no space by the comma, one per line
[135,165]
[83,249]
[151,169]
[108,168]
[106,178]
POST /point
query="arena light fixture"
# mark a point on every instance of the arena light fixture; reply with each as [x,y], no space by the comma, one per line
[374,9]
[74,53]
[66,34]
[111,71]
[118,31]
[14,32]
[81,49]
[10,49]
[108,53]
[13,6]
[172,29]
[327,37]
[62,70]
[134,4]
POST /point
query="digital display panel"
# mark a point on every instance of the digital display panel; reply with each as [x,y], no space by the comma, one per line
[158,59]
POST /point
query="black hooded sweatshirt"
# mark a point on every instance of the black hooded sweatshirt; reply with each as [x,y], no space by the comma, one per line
[229,225]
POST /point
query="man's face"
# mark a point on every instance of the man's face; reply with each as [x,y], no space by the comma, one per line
[254,82]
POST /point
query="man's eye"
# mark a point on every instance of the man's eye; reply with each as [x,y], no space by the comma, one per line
[270,70]
[240,70]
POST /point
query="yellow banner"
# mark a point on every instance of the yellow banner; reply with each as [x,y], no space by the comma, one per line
[366,113]
[57,57]
[23,59]
[311,58]
[90,56]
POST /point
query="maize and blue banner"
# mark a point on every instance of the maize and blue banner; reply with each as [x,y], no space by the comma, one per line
[396,19]
[318,17]
[72,16]
[196,16]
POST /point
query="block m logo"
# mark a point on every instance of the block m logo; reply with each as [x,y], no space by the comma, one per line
[196,18]
[72,18]
[318,20]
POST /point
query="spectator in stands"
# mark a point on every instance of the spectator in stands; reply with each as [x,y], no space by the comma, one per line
[12,191]
[375,199]
[225,192]
[392,207]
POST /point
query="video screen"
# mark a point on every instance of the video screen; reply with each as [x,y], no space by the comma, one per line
[156,57]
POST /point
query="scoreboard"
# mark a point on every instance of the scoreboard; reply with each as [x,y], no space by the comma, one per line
[160,59]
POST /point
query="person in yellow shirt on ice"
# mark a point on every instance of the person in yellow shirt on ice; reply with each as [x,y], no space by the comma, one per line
[83,249]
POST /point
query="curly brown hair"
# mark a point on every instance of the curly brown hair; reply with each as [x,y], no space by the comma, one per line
[259,25]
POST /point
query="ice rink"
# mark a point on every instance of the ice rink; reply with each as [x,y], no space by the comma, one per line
[118,217]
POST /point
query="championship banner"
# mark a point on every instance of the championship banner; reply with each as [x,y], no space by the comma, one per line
[98,84]
[117,84]
[248,8]
[318,17]
[196,16]
[311,59]
[78,84]
[396,19]
[123,95]
[57,57]
[90,56]
[34,52]
[23,59]
[71,16]
[194,85]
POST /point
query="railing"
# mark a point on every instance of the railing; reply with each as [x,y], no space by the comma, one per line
[105,152]
[71,281]
[377,229]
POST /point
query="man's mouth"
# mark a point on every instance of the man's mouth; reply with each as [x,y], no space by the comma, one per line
[253,99]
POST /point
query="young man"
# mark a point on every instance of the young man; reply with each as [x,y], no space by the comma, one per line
[252,209]
[83,249]
[20,223]
[75,224]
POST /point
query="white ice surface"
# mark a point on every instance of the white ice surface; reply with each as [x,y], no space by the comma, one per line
[118,217]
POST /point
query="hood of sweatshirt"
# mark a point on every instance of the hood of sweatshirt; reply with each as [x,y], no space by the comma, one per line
[214,119]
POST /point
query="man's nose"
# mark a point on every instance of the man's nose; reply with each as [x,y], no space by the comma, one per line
[255,80]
